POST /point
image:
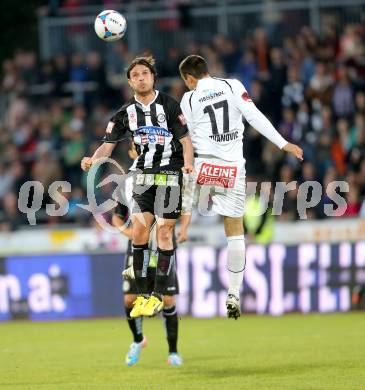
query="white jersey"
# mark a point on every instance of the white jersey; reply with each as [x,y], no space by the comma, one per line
[214,112]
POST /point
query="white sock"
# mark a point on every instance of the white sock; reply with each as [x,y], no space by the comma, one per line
[236,261]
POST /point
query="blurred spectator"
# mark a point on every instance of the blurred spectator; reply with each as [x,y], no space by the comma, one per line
[343,100]
[293,91]
[6,180]
[320,85]
[46,169]
[10,214]
[61,74]
[246,69]
[276,82]
[169,66]
[78,70]
[261,49]
[288,126]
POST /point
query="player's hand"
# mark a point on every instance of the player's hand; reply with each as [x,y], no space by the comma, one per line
[86,163]
[295,150]
[181,236]
[188,168]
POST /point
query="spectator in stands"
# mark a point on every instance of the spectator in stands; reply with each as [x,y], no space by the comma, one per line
[246,69]
[343,99]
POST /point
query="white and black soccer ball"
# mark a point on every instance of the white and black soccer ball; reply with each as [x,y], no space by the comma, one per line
[110,25]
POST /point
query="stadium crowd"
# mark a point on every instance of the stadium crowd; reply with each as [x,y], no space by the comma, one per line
[311,87]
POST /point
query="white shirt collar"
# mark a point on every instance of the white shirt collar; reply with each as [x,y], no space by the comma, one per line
[202,82]
[148,105]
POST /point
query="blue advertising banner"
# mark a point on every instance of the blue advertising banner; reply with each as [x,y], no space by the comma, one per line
[60,286]
[278,279]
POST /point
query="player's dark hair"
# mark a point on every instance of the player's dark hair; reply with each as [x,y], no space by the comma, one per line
[149,62]
[194,65]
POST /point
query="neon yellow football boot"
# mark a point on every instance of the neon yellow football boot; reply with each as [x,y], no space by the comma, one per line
[153,306]
[138,306]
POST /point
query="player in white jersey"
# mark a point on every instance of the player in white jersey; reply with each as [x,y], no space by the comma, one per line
[214,110]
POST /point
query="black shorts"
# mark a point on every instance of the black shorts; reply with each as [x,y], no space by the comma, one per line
[172,287]
[158,193]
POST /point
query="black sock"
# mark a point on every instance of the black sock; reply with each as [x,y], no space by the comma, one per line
[141,258]
[135,325]
[171,325]
[164,265]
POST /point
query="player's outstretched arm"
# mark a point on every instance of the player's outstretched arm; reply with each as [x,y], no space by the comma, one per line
[259,121]
[188,154]
[104,150]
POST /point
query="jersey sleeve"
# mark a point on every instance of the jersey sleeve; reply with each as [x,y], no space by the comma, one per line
[254,116]
[186,110]
[116,129]
[178,125]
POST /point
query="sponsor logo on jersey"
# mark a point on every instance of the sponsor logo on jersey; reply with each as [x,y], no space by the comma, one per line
[217,175]
[152,135]
[110,126]
[225,137]
[152,139]
[210,96]
[155,130]
[157,179]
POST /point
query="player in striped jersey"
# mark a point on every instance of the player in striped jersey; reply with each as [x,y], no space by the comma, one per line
[122,221]
[155,121]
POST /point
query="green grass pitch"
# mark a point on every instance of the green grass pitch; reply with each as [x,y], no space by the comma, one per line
[290,352]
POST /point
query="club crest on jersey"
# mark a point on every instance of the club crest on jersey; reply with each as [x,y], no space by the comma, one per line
[161,118]
[151,138]
[217,175]
[110,126]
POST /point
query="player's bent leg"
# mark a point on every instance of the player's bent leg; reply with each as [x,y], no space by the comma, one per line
[141,257]
[165,260]
[171,325]
[135,325]
[236,263]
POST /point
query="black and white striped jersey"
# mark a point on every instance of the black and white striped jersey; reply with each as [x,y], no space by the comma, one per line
[156,130]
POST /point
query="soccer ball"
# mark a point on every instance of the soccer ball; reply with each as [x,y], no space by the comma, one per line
[110,25]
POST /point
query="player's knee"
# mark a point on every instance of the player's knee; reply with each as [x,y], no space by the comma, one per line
[129,299]
[233,226]
[164,235]
[140,235]
[169,300]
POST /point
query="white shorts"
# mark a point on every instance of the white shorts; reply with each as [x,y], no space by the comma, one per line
[219,187]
